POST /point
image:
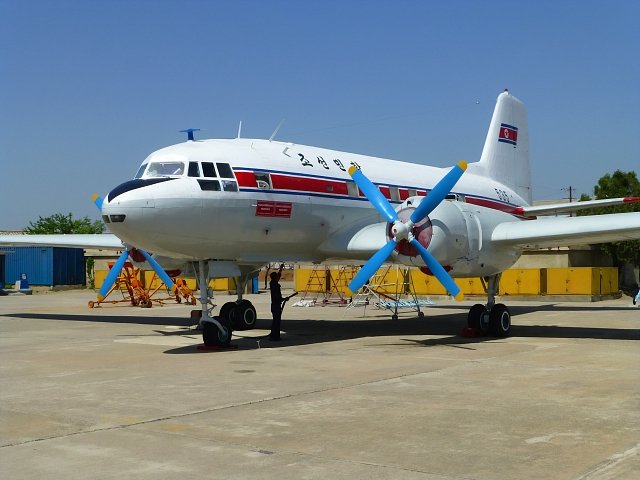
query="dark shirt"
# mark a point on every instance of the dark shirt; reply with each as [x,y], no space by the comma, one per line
[276,295]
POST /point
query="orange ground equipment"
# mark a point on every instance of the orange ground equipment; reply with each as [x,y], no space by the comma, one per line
[182,290]
[129,286]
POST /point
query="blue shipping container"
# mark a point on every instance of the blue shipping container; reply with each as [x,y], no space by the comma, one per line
[45,265]
[1,271]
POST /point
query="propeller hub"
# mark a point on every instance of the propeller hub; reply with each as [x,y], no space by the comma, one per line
[403,231]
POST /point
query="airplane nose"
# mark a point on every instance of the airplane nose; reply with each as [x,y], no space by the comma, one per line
[134,185]
[128,200]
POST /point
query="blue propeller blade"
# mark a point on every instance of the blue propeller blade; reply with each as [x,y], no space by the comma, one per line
[159,271]
[369,268]
[111,277]
[374,195]
[97,199]
[440,273]
[439,192]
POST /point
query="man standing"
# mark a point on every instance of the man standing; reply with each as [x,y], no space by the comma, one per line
[276,304]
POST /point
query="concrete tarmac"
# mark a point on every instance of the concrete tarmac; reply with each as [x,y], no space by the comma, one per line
[123,392]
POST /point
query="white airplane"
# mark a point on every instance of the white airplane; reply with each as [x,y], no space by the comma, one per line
[232,205]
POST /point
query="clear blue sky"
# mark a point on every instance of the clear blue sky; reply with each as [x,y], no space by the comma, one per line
[89,88]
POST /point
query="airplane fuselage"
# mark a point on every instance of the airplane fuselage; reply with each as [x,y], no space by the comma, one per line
[255,200]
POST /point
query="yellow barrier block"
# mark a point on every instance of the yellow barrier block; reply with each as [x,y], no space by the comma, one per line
[223,284]
[609,280]
[573,281]
[192,283]
[470,286]
[340,278]
[391,280]
[524,281]
[424,284]
[100,275]
[306,280]
[151,280]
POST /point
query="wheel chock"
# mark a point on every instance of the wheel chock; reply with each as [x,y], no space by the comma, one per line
[217,348]
[471,332]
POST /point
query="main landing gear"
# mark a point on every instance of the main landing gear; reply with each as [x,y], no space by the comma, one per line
[238,315]
[494,318]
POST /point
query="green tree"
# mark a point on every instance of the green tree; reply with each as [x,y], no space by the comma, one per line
[60,223]
[618,184]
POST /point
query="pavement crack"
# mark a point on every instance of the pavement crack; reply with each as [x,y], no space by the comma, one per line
[210,410]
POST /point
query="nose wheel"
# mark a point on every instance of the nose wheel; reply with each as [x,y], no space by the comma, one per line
[212,335]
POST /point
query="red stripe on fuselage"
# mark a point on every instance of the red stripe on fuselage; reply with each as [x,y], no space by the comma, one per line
[305,184]
[495,205]
[247,179]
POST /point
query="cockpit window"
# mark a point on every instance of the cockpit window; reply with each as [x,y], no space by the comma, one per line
[141,170]
[194,169]
[224,169]
[208,170]
[165,169]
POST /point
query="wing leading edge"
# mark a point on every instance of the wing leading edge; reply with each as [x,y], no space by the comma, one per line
[557,232]
[102,241]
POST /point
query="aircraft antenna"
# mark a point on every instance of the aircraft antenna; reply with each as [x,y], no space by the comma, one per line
[189,132]
[239,129]
[276,130]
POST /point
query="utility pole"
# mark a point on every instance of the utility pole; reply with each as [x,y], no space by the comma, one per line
[570,189]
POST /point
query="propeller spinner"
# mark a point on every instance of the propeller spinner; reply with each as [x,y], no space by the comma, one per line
[404,231]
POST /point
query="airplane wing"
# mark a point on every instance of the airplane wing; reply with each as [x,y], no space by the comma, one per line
[101,241]
[572,207]
[556,232]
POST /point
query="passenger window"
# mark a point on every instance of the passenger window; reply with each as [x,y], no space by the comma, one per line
[263,181]
[352,189]
[229,186]
[395,194]
[413,192]
[194,169]
[224,169]
[208,170]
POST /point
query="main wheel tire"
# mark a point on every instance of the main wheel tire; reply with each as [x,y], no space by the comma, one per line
[473,318]
[243,316]
[500,321]
[212,336]
[225,310]
[478,318]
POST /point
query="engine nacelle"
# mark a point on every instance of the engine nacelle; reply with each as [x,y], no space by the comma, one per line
[460,239]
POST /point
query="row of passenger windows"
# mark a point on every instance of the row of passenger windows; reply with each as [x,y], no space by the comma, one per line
[263,182]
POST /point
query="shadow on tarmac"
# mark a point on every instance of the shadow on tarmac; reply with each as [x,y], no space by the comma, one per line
[307,332]
[163,321]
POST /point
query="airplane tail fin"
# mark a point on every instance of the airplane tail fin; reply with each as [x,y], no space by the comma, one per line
[505,156]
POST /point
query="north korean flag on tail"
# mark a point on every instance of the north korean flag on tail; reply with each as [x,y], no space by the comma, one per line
[508,134]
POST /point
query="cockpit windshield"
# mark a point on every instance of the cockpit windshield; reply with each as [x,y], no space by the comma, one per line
[140,171]
[163,169]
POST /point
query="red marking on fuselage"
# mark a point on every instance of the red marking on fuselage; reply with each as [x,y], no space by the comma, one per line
[266,208]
